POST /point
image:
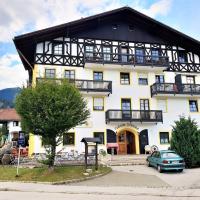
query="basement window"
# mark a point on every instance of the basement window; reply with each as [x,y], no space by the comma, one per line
[164,137]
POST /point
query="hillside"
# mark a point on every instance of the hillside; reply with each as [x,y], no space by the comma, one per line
[7,97]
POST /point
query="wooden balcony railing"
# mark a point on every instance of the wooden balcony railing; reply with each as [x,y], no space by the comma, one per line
[134,115]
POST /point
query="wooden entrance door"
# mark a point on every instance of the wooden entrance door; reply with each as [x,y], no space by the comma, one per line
[126,142]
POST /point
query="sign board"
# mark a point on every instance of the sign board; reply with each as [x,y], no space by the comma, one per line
[21,139]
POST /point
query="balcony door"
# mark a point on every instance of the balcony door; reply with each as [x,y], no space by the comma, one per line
[144,109]
[139,55]
[124,54]
[126,109]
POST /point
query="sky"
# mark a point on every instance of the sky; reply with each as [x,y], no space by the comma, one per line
[22,16]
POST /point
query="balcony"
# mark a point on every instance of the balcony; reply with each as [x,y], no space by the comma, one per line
[134,115]
[126,59]
[87,86]
[166,89]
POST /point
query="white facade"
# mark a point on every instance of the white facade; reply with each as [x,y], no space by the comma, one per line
[172,105]
[13,127]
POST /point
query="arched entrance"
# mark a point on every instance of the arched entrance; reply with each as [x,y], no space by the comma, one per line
[128,140]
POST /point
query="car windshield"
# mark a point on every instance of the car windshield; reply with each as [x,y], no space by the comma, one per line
[170,155]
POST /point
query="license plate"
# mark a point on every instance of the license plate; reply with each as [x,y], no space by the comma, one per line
[175,162]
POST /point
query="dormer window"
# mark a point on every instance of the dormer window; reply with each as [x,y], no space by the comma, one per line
[131,28]
[182,57]
[114,26]
[58,49]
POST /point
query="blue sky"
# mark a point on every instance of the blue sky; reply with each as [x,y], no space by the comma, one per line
[22,16]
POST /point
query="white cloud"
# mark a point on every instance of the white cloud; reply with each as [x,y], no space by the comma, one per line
[161,7]
[12,72]
[20,16]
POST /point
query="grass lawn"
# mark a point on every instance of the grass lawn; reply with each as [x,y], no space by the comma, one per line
[44,175]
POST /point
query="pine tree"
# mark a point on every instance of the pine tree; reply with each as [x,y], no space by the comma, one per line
[186,141]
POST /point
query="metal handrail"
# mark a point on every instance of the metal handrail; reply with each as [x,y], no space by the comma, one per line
[134,115]
[174,88]
[86,85]
[125,58]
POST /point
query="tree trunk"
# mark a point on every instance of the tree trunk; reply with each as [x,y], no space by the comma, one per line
[52,155]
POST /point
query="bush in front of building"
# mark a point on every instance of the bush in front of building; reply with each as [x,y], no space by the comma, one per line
[185,141]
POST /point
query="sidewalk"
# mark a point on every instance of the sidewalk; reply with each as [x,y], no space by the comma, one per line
[131,191]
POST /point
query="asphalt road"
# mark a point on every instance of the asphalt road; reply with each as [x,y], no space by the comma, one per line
[128,182]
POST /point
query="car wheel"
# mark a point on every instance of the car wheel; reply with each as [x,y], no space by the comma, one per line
[180,170]
[159,168]
[148,164]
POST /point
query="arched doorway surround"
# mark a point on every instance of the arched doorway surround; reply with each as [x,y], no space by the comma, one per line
[128,140]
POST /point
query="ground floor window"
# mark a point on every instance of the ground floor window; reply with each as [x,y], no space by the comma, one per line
[69,138]
[100,135]
[193,106]
[164,137]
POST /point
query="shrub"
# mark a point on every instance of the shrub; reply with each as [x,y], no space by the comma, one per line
[186,141]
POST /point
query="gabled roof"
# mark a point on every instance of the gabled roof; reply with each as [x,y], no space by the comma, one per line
[9,114]
[25,44]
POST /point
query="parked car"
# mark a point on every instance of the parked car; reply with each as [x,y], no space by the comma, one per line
[166,160]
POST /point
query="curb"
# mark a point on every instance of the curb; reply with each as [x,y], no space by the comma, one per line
[58,182]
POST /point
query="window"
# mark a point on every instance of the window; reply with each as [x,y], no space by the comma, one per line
[162,105]
[125,78]
[126,104]
[182,57]
[98,76]
[160,79]
[131,28]
[98,103]
[99,135]
[124,56]
[144,104]
[164,137]
[193,106]
[139,54]
[69,139]
[126,108]
[15,123]
[155,53]
[69,74]
[106,53]
[114,26]
[190,79]
[121,137]
[58,49]
[89,51]
[50,73]
[143,80]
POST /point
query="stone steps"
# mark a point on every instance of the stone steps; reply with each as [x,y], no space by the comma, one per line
[120,160]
